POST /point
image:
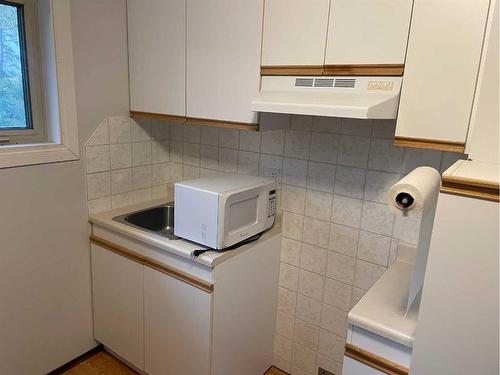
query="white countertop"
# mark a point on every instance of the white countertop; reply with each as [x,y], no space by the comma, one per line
[179,247]
[474,170]
[382,310]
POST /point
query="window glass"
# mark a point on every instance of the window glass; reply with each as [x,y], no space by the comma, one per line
[15,112]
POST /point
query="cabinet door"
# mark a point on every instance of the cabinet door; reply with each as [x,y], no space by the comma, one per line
[441,70]
[294,32]
[483,137]
[458,319]
[157,56]
[223,58]
[368,32]
[177,323]
[117,290]
[353,367]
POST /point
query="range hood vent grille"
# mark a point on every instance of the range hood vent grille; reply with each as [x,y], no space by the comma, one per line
[304,82]
[345,82]
[323,82]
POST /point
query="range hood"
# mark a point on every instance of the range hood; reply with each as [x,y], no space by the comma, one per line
[331,96]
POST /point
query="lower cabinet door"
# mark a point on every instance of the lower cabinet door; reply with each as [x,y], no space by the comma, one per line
[117,291]
[177,323]
[353,367]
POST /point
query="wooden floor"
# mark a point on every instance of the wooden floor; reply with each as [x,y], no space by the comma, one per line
[104,364]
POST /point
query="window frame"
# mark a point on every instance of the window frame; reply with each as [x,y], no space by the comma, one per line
[61,143]
[37,132]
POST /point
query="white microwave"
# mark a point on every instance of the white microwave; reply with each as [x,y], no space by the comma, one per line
[221,211]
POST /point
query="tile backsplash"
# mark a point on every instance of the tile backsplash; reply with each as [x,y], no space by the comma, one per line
[339,236]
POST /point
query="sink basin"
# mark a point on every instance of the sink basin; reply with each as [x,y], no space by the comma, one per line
[159,220]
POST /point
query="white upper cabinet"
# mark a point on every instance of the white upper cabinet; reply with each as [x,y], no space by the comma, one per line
[483,137]
[441,71]
[157,56]
[223,58]
[294,32]
[368,31]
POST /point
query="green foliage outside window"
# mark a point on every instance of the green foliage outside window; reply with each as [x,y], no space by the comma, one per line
[12,94]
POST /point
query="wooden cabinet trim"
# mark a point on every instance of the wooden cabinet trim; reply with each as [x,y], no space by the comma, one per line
[223,124]
[157,116]
[334,70]
[197,121]
[471,188]
[374,361]
[154,264]
[292,70]
[431,144]
[364,70]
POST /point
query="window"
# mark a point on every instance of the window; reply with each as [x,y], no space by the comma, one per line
[52,134]
[21,119]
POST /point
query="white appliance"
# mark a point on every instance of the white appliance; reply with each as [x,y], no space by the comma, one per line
[221,211]
[343,96]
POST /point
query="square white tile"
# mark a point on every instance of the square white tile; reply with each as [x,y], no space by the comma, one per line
[321,176]
[140,130]
[347,211]
[313,259]
[119,130]
[248,163]
[294,172]
[141,153]
[353,151]
[374,248]
[98,185]
[316,232]
[293,198]
[319,204]
[324,147]
[350,181]
[378,185]
[97,158]
[121,181]
[297,144]
[384,156]
[344,239]
[290,251]
[311,284]
[229,138]
[340,267]
[273,142]
[366,274]
[250,141]
[377,218]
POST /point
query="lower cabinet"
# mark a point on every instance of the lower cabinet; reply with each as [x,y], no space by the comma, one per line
[353,367]
[367,353]
[177,316]
[117,287]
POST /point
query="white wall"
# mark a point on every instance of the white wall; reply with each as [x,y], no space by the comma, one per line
[45,311]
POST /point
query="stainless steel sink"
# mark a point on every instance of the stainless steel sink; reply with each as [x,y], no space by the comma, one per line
[159,220]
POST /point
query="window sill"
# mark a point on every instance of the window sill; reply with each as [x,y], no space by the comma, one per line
[31,154]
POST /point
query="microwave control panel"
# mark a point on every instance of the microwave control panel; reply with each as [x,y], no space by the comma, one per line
[271,206]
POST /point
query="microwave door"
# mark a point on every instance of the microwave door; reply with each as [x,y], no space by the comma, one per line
[242,216]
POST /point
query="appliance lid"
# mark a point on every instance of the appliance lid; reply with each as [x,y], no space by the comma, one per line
[331,96]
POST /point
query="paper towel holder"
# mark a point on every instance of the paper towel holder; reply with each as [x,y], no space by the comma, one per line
[404,200]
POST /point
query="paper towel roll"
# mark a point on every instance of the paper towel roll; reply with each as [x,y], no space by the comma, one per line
[416,192]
